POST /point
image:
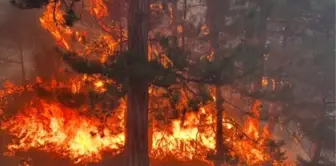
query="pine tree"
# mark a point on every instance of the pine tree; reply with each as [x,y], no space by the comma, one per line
[222,69]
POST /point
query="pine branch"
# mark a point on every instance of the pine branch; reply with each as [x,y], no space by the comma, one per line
[29,4]
[82,65]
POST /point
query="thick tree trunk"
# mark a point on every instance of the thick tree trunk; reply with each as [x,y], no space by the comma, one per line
[136,146]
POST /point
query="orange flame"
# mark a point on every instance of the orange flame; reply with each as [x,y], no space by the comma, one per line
[51,127]
[53,20]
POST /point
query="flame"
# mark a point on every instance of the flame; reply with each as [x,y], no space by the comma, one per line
[101,48]
[171,14]
[205,29]
[51,127]
[254,152]
[98,8]
[179,29]
[156,6]
[53,20]
[184,142]
[69,38]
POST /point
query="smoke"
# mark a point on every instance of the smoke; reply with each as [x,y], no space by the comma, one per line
[21,34]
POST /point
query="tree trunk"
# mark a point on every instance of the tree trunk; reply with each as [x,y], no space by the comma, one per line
[219,127]
[174,17]
[316,153]
[214,15]
[185,5]
[316,149]
[136,145]
[136,148]
[22,63]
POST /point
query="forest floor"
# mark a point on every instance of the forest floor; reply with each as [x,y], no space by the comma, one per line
[45,159]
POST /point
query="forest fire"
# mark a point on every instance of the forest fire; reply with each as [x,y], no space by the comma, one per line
[51,127]
[72,133]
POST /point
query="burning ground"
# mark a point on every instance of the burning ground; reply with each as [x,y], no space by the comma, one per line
[49,125]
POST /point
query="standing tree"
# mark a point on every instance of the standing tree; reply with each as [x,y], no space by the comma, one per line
[229,64]
[136,147]
[214,8]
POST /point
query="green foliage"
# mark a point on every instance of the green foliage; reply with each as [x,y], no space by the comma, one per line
[175,54]
[128,65]
[29,4]
[276,152]
[194,104]
[205,96]
[226,69]
[218,71]
[226,157]
[174,96]
[70,17]
[116,90]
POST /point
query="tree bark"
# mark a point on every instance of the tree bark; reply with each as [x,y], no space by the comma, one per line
[136,148]
[22,63]
[136,145]
[316,149]
[174,17]
[214,11]
[316,153]
[185,5]
[219,127]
